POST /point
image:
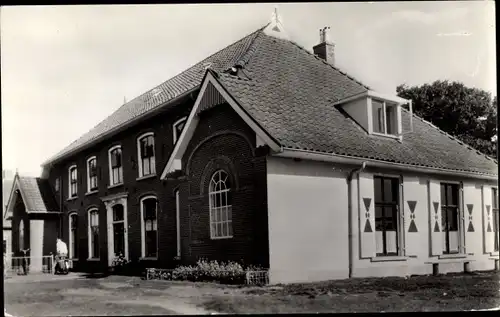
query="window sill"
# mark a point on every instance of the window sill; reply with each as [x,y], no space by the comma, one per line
[389,136]
[452,256]
[91,192]
[394,258]
[115,185]
[94,259]
[72,198]
[496,253]
[148,259]
[221,238]
[73,259]
[145,177]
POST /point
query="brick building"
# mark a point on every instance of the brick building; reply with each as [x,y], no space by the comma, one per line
[266,153]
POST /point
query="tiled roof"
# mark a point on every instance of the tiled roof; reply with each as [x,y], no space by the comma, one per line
[291,93]
[165,92]
[37,195]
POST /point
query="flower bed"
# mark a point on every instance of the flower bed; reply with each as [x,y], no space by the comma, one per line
[213,271]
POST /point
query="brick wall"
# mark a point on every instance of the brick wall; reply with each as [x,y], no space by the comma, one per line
[223,140]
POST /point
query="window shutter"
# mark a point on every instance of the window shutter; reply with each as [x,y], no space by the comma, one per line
[367,215]
[413,213]
[434,195]
[471,214]
[488,234]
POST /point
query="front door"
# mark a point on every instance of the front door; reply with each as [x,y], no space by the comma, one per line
[118,230]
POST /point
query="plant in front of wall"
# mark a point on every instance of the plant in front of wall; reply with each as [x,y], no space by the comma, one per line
[119,263]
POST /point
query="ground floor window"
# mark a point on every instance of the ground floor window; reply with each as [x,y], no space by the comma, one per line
[21,235]
[449,217]
[150,226]
[119,229]
[386,215]
[73,236]
[94,234]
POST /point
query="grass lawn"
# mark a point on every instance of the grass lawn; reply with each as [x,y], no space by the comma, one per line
[117,295]
[423,293]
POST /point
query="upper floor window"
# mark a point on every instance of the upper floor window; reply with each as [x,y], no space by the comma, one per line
[494,193]
[146,154]
[449,217]
[115,165]
[221,224]
[73,179]
[178,127]
[92,174]
[384,117]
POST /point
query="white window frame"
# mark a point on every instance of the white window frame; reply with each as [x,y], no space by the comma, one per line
[227,210]
[139,156]
[178,221]
[143,227]
[174,128]
[90,237]
[89,190]
[395,118]
[110,167]
[71,251]
[70,194]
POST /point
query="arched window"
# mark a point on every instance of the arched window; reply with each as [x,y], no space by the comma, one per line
[115,165]
[146,154]
[93,234]
[21,235]
[91,174]
[73,179]
[220,206]
[178,127]
[73,235]
[149,227]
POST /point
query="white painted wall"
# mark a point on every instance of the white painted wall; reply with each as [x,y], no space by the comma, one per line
[36,245]
[308,225]
[7,236]
[358,110]
[307,204]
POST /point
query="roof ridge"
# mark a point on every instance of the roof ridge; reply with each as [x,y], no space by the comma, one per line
[329,64]
[462,143]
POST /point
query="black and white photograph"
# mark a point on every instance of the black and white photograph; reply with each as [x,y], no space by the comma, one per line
[249,158]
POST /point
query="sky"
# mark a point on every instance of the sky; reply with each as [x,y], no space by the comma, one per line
[66,68]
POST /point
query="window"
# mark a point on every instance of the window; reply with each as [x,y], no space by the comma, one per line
[495,217]
[92,174]
[73,236]
[93,234]
[4,246]
[220,206]
[178,127]
[384,117]
[386,215]
[146,155]
[115,165]
[149,227]
[73,179]
[56,186]
[21,235]
[178,221]
[449,217]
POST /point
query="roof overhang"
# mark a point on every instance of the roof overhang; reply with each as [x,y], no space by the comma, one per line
[119,128]
[374,94]
[351,160]
[174,163]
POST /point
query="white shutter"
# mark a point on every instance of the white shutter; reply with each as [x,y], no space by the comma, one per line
[434,194]
[366,215]
[488,234]
[413,214]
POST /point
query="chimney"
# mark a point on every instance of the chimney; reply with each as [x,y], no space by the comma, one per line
[325,49]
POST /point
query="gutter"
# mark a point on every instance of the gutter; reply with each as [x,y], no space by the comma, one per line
[345,159]
[120,127]
[350,213]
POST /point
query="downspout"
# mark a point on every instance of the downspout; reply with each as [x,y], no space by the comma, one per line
[350,212]
[60,208]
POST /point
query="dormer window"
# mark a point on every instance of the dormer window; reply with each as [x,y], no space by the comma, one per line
[178,127]
[384,117]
